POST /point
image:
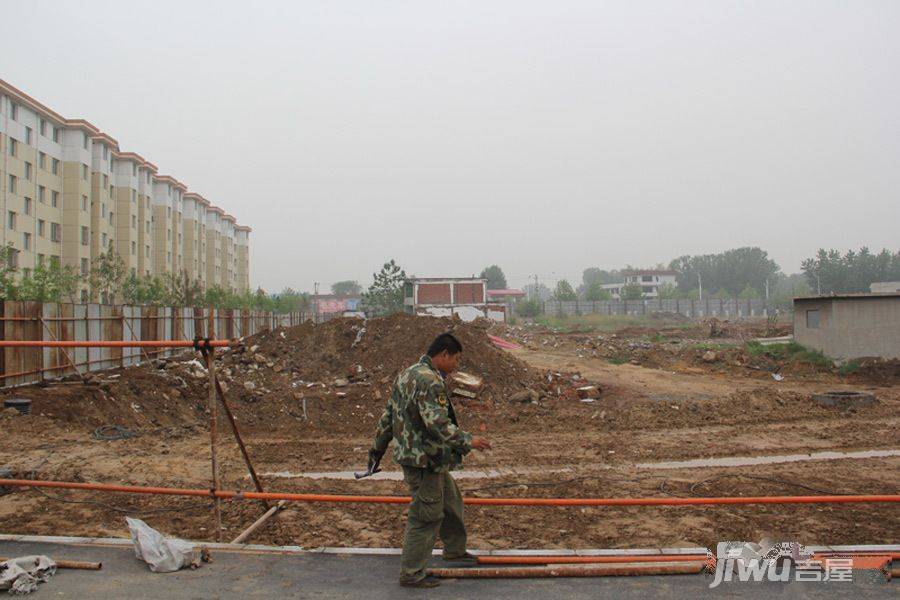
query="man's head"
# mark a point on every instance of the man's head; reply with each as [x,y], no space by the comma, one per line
[445,352]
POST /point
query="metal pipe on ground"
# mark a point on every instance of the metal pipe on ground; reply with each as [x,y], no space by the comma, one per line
[229,495]
[569,560]
[566,571]
[72,564]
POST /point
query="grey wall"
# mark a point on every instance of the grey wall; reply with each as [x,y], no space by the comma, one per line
[851,328]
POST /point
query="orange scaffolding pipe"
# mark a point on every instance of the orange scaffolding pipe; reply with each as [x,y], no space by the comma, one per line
[111,344]
[231,495]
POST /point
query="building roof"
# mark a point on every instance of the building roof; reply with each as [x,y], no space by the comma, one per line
[848,296]
[447,279]
[629,272]
[508,292]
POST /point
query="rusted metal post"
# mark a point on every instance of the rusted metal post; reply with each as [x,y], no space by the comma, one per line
[213,434]
[240,441]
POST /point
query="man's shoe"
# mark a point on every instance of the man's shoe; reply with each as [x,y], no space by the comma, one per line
[466,560]
[429,581]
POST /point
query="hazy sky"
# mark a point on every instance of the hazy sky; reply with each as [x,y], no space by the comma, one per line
[545,137]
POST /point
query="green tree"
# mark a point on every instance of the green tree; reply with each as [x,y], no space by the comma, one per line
[107,274]
[346,288]
[731,270]
[831,272]
[722,294]
[596,292]
[631,291]
[8,286]
[749,293]
[496,280]
[667,291]
[50,282]
[564,291]
[289,300]
[385,295]
[528,308]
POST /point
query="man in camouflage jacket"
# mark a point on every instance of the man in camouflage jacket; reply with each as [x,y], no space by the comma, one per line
[428,443]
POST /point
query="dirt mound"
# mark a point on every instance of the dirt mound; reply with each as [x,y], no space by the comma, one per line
[377,349]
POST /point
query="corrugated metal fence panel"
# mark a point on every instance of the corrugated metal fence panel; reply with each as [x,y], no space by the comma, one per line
[708,307]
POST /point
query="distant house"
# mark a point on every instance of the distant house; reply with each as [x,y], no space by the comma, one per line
[884,287]
[648,279]
[334,304]
[466,297]
[847,326]
[505,296]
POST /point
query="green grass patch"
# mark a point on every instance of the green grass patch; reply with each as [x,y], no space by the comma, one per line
[603,323]
[789,351]
[850,367]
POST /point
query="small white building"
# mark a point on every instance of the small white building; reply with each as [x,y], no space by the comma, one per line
[648,279]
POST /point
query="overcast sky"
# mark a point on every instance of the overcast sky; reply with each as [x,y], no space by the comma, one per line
[546,137]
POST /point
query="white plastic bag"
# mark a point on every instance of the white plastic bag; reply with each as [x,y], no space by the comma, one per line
[161,555]
[21,575]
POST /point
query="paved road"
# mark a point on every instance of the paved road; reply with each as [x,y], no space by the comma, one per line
[238,575]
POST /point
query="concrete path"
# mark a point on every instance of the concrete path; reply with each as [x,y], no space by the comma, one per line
[334,576]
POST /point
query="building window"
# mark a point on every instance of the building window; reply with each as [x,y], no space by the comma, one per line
[133,197]
[84,204]
[103,239]
[42,160]
[85,236]
[133,248]
[84,140]
[26,240]
[105,153]
[11,184]
[11,220]
[54,199]
[84,172]
[84,295]
[28,133]
[40,228]
[13,111]
[28,171]
[54,166]
[103,209]
[43,128]
[105,181]
[84,266]
[11,146]
[134,169]
[134,221]
[42,194]
[812,319]
[56,134]
[27,204]
[12,259]
[55,230]
[40,259]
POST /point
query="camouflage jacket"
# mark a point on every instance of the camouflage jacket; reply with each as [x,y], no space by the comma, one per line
[420,419]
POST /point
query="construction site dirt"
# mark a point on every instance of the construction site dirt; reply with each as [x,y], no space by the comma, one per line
[307,399]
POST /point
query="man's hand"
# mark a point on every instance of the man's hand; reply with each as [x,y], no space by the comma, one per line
[480,443]
[374,461]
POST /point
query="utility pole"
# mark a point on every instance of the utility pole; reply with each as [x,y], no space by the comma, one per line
[316,301]
[700,284]
[767,289]
[818,283]
[534,293]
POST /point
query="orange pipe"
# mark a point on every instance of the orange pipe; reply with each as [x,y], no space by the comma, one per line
[570,560]
[228,495]
[108,344]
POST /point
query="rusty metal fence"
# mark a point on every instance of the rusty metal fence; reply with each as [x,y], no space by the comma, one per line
[100,322]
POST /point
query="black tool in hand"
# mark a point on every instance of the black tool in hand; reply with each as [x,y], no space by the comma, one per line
[373,466]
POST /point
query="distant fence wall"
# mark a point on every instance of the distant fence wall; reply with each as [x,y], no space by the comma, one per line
[100,322]
[708,307]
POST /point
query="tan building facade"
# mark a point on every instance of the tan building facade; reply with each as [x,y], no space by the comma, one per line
[68,193]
